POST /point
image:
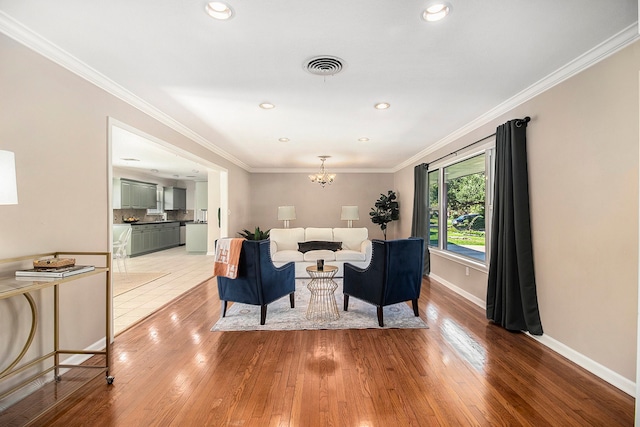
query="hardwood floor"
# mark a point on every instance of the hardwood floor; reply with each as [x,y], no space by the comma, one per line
[171,370]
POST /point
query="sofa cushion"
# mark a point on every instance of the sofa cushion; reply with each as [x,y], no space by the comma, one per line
[287,238]
[351,238]
[316,245]
[347,255]
[321,254]
[287,256]
[324,234]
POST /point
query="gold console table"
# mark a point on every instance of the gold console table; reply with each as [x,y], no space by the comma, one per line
[11,287]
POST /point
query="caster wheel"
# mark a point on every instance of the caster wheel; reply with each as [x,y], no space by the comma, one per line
[57,378]
[110,380]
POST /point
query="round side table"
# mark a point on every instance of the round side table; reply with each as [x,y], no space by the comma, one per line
[322,305]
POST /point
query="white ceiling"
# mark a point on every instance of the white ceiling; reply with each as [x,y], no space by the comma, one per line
[139,153]
[210,75]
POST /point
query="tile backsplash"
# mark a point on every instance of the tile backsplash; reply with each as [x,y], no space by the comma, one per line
[120,214]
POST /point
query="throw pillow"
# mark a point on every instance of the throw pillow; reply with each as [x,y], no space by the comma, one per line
[317,245]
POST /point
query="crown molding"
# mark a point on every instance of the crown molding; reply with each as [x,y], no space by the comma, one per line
[22,34]
[581,63]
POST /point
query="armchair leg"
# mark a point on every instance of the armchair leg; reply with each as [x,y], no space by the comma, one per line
[292,299]
[224,308]
[414,302]
[263,314]
[346,302]
[380,319]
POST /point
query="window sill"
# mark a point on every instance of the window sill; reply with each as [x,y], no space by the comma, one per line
[476,265]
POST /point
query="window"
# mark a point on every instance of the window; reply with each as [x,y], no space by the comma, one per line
[434,208]
[459,200]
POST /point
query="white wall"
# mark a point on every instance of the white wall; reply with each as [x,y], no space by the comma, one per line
[317,206]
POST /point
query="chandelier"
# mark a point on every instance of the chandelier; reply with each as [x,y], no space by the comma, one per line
[323,177]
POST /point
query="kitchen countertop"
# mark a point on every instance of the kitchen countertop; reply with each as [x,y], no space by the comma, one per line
[145,222]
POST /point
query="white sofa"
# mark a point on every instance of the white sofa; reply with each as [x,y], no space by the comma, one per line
[356,247]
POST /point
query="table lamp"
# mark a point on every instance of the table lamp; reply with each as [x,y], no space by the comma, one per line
[286,213]
[349,213]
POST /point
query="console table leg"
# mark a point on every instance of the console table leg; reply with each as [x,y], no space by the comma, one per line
[32,333]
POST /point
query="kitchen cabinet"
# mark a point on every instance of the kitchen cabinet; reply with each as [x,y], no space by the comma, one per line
[175,199]
[125,194]
[136,244]
[136,195]
[169,235]
[150,237]
[143,196]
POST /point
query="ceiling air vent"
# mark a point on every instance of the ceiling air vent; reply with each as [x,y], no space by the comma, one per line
[324,65]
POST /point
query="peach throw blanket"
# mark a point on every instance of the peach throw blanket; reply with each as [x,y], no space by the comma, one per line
[227,257]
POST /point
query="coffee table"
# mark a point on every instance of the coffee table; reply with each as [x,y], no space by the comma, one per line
[322,304]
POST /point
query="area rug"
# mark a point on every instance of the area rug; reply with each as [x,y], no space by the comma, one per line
[281,317]
[125,282]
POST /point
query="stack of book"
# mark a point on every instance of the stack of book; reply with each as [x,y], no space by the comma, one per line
[54,272]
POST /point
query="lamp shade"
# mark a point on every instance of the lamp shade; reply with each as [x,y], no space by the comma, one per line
[8,186]
[286,213]
[349,213]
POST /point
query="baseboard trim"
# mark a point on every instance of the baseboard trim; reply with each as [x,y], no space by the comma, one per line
[590,365]
[474,299]
[574,356]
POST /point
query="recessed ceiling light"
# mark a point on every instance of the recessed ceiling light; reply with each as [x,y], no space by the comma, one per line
[436,12]
[267,106]
[382,106]
[283,139]
[363,139]
[219,10]
[154,170]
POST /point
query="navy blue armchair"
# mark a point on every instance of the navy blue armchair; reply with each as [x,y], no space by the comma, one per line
[258,282]
[394,275]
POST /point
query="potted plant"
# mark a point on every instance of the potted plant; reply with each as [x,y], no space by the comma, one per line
[257,234]
[385,210]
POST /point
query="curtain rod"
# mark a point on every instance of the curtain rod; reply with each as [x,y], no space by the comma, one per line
[518,123]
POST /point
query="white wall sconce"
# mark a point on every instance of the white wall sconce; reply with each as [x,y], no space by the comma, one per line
[8,184]
[286,214]
[349,214]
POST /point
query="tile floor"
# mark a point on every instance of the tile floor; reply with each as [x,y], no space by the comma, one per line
[185,272]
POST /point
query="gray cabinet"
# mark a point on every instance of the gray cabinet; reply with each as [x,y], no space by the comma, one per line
[169,235]
[175,199]
[137,240]
[147,238]
[125,194]
[137,195]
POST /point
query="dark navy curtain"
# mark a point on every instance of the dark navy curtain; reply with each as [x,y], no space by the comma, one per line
[420,221]
[512,300]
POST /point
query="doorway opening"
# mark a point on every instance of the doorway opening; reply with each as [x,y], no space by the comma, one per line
[159,266]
